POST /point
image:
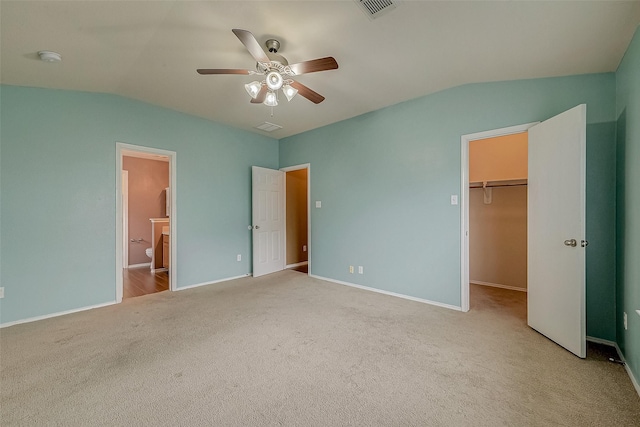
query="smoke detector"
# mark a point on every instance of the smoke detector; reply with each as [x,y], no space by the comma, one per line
[48,56]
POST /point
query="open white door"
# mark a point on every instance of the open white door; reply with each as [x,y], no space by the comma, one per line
[268,220]
[556,229]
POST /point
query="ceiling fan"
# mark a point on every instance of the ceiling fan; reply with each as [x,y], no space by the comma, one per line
[277,72]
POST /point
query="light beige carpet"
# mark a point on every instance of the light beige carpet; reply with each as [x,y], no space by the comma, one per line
[287,349]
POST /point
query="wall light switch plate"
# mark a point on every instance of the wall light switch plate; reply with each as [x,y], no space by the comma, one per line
[239,257]
[454,199]
[2,292]
[318,204]
[351,269]
[360,270]
[304,248]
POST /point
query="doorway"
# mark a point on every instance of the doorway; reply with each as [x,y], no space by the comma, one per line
[498,217]
[556,212]
[464,199]
[145,220]
[297,219]
[270,208]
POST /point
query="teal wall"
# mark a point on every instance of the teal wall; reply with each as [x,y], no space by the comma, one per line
[58,177]
[385,180]
[628,203]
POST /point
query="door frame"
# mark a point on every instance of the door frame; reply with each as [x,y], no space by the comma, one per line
[121,149]
[125,218]
[306,166]
[464,198]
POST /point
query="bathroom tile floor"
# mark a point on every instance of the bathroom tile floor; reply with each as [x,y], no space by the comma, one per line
[141,281]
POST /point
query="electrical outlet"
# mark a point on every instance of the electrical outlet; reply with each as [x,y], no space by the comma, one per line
[239,257]
[360,270]
[624,320]
[304,248]
[351,269]
[2,292]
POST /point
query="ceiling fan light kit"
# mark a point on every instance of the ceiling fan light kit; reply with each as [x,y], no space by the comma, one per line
[271,99]
[253,89]
[289,92]
[277,72]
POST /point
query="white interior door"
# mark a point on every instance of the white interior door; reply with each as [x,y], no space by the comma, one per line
[556,229]
[268,220]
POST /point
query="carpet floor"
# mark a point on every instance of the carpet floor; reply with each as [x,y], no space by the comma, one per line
[287,349]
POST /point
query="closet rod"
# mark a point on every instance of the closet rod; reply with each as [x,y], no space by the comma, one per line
[479,185]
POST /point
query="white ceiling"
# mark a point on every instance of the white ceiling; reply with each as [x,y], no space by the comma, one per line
[149,50]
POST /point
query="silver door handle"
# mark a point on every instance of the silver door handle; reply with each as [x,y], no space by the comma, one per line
[571,242]
[584,243]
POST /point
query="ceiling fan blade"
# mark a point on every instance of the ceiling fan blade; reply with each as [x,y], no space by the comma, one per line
[312,96]
[314,65]
[252,45]
[259,99]
[221,71]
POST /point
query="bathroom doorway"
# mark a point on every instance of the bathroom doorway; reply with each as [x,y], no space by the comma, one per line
[146,212]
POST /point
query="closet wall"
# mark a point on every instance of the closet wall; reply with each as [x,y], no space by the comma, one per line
[498,212]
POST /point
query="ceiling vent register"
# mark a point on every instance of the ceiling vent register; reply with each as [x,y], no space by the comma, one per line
[376,8]
[268,127]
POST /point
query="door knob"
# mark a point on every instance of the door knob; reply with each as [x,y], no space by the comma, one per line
[571,242]
[257,227]
[584,243]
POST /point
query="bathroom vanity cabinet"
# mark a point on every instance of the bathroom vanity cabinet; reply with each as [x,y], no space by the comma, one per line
[165,250]
[159,227]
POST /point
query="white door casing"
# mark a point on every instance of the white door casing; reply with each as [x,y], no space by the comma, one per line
[123,149]
[464,204]
[268,208]
[125,219]
[556,219]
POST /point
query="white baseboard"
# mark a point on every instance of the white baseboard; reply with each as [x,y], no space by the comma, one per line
[298,264]
[497,285]
[60,313]
[144,264]
[634,381]
[613,344]
[159,270]
[393,294]
[601,341]
[197,285]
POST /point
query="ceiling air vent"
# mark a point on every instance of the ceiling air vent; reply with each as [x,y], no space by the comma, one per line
[376,8]
[268,127]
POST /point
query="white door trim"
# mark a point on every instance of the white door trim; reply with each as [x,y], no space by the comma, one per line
[121,149]
[464,197]
[306,166]
[125,219]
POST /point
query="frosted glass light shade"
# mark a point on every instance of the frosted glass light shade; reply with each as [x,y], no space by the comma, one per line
[271,99]
[274,80]
[289,92]
[253,89]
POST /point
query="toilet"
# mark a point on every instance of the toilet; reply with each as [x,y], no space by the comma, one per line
[149,252]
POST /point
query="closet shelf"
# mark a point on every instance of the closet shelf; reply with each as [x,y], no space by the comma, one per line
[503,183]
